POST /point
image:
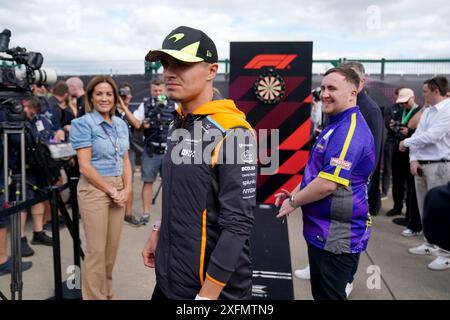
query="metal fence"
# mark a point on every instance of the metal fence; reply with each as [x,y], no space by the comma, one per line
[378,68]
[374,67]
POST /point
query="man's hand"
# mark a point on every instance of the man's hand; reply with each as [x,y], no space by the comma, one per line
[285,209]
[404,131]
[415,166]
[122,106]
[60,135]
[279,197]
[148,253]
[402,147]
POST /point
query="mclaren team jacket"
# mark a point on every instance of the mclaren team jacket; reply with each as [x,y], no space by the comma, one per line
[209,182]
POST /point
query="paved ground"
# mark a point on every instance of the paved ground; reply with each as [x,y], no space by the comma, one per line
[403,276]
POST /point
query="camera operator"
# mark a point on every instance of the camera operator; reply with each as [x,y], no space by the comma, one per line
[154,116]
[41,132]
[40,90]
[123,112]
[403,125]
[388,147]
[58,110]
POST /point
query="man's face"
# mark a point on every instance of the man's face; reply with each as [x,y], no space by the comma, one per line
[336,94]
[73,90]
[39,90]
[408,104]
[28,111]
[156,90]
[186,81]
[431,97]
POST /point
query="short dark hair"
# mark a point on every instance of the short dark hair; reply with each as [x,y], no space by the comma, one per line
[157,81]
[34,103]
[438,82]
[60,88]
[90,91]
[349,74]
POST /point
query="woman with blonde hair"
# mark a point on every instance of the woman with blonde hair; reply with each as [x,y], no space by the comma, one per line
[101,140]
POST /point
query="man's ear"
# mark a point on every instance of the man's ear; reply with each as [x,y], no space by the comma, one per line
[354,94]
[212,71]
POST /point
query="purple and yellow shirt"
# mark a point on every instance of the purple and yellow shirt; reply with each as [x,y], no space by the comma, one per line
[344,153]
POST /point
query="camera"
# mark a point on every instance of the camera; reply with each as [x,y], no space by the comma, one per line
[17,73]
[156,105]
[316,94]
[160,101]
[397,126]
[123,92]
[23,68]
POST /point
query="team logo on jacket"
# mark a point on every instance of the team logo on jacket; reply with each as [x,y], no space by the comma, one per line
[336,162]
[247,157]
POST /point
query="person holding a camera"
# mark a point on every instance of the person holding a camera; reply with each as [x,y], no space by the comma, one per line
[429,156]
[102,141]
[403,124]
[154,115]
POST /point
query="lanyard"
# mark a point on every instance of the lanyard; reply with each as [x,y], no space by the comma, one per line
[115,145]
[405,118]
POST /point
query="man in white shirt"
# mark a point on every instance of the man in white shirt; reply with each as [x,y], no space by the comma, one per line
[430,156]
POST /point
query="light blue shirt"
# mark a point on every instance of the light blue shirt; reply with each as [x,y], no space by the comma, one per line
[108,142]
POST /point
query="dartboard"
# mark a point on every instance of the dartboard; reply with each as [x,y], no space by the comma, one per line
[269,87]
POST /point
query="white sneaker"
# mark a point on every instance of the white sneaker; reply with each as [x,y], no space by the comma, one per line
[348,289]
[303,273]
[423,249]
[409,233]
[440,263]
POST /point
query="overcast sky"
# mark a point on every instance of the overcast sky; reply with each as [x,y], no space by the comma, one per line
[125,30]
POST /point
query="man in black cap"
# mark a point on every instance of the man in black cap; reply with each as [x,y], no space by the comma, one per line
[201,247]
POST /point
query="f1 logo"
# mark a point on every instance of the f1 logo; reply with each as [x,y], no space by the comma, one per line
[279,61]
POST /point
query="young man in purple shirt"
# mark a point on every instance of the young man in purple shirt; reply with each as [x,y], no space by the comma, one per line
[333,192]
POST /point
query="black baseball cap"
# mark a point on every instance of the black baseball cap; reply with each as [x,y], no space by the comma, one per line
[186,44]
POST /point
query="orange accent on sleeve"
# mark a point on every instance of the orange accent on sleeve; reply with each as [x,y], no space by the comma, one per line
[203,248]
[215,281]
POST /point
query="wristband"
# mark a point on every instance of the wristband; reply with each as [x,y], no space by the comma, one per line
[292,201]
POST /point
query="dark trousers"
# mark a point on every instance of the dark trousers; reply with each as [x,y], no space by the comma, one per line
[403,182]
[400,165]
[373,192]
[330,273]
[387,165]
